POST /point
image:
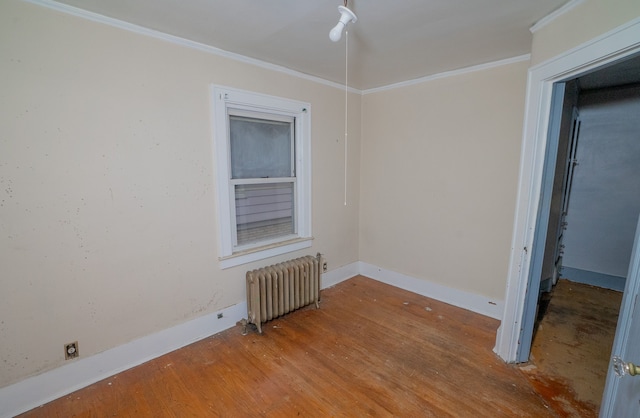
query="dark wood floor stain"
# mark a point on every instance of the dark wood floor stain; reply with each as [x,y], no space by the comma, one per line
[571,349]
[371,350]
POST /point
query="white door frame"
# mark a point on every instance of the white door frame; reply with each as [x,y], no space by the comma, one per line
[619,43]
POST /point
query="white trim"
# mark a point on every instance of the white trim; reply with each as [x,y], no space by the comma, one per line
[237,260]
[616,44]
[141,30]
[226,100]
[465,300]
[591,54]
[566,8]
[37,390]
[340,274]
[451,73]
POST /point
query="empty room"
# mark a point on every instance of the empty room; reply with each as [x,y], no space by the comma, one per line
[162,255]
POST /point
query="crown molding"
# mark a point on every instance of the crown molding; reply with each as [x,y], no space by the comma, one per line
[120,24]
[451,73]
[176,40]
[566,8]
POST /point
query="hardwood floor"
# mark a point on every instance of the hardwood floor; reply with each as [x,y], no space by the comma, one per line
[370,350]
[571,349]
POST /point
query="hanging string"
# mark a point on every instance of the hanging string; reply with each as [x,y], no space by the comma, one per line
[346,110]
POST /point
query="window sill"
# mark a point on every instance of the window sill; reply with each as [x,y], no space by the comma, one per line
[264,252]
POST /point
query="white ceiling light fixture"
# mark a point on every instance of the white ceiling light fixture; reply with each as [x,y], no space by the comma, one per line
[346,16]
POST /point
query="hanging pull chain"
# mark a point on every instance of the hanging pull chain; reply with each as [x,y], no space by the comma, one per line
[346,110]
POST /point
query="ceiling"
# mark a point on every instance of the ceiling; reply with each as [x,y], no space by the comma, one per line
[392,41]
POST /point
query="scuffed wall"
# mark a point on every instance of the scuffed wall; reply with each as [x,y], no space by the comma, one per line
[108,222]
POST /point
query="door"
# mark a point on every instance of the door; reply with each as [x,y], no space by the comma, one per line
[621,396]
[554,195]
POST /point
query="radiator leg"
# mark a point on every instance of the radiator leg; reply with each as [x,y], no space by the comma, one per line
[320,263]
[278,289]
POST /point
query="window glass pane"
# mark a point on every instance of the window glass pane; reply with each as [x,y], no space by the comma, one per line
[260,148]
[264,211]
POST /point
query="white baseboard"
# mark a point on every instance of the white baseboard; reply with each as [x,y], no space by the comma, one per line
[38,390]
[469,301]
[333,277]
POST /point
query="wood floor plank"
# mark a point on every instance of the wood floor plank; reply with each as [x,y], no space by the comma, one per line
[370,350]
[578,329]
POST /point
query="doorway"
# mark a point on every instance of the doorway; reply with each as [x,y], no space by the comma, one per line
[591,166]
[600,53]
[590,201]
[589,239]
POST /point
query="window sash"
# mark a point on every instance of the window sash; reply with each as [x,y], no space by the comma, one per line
[264,211]
[271,221]
[229,101]
[261,146]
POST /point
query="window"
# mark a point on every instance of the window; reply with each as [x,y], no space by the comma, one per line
[263,172]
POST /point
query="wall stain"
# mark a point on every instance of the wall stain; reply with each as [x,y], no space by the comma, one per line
[211,302]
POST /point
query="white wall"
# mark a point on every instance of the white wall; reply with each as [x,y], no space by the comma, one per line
[439,172]
[605,202]
[107,207]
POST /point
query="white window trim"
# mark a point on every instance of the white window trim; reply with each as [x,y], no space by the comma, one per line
[224,98]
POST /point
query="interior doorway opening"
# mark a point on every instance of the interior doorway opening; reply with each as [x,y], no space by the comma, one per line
[611,48]
[592,204]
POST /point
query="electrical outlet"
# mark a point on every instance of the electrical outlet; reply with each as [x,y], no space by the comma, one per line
[324,267]
[71,350]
